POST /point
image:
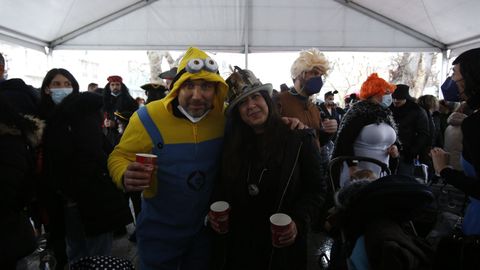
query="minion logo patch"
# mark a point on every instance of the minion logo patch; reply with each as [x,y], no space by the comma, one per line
[196,180]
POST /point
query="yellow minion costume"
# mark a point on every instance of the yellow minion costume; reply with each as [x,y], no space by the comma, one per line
[170,231]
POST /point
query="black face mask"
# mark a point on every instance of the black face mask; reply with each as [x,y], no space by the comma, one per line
[313,85]
[450,90]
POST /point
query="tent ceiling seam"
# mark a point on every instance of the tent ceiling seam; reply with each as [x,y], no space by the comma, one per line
[429,19]
[67,16]
[464,42]
[24,37]
[403,28]
[99,22]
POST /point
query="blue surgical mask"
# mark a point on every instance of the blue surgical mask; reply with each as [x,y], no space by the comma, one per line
[313,85]
[58,94]
[450,90]
[386,101]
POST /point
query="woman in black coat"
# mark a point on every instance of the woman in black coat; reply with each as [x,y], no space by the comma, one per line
[466,74]
[19,136]
[267,168]
[75,168]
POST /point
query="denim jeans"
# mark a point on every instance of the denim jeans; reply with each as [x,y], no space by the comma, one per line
[78,244]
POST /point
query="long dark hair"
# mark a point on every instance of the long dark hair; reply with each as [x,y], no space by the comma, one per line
[46,103]
[240,140]
[469,63]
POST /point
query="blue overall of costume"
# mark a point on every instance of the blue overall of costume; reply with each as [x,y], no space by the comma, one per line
[170,228]
[471,222]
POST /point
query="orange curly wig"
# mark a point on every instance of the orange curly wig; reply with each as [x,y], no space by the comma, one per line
[375,85]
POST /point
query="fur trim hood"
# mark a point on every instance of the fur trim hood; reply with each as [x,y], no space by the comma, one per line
[348,193]
[32,130]
[371,111]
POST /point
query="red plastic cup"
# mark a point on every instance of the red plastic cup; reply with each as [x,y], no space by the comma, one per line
[220,213]
[279,224]
[147,160]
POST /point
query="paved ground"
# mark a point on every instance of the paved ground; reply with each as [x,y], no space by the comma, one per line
[122,247]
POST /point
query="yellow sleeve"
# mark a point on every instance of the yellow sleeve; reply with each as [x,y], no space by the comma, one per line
[134,140]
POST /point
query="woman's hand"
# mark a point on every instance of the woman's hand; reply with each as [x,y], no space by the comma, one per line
[330,126]
[214,223]
[137,177]
[294,123]
[393,151]
[288,237]
[440,159]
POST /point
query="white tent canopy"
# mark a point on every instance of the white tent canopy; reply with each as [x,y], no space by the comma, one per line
[242,25]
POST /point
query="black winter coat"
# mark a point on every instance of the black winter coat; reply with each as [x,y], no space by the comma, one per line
[18,138]
[337,113]
[295,188]
[111,104]
[413,129]
[76,153]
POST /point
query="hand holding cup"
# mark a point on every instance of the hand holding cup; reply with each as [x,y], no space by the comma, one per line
[329,125]
[284,230]
[138,175]
[218,216]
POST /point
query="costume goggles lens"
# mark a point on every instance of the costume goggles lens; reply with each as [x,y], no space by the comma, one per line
[196,65]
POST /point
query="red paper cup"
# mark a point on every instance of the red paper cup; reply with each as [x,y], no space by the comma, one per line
[279,224]
[220,213]
[146,159]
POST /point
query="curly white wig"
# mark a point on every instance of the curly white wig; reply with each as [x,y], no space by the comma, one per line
[307,60]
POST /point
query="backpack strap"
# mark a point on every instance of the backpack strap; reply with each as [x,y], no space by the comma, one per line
[151,128]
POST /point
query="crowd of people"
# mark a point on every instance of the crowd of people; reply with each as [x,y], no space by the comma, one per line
[69,165]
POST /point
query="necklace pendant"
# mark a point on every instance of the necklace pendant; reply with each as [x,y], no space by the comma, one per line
[253,190]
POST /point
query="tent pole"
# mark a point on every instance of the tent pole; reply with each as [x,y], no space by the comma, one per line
[246,29]
[444,71]
[246,55]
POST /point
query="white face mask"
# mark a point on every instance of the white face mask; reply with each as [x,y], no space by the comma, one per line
[58,94]
[191,118]
[386,101]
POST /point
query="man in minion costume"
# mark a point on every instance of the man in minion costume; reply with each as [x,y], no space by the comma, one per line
[185,131]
